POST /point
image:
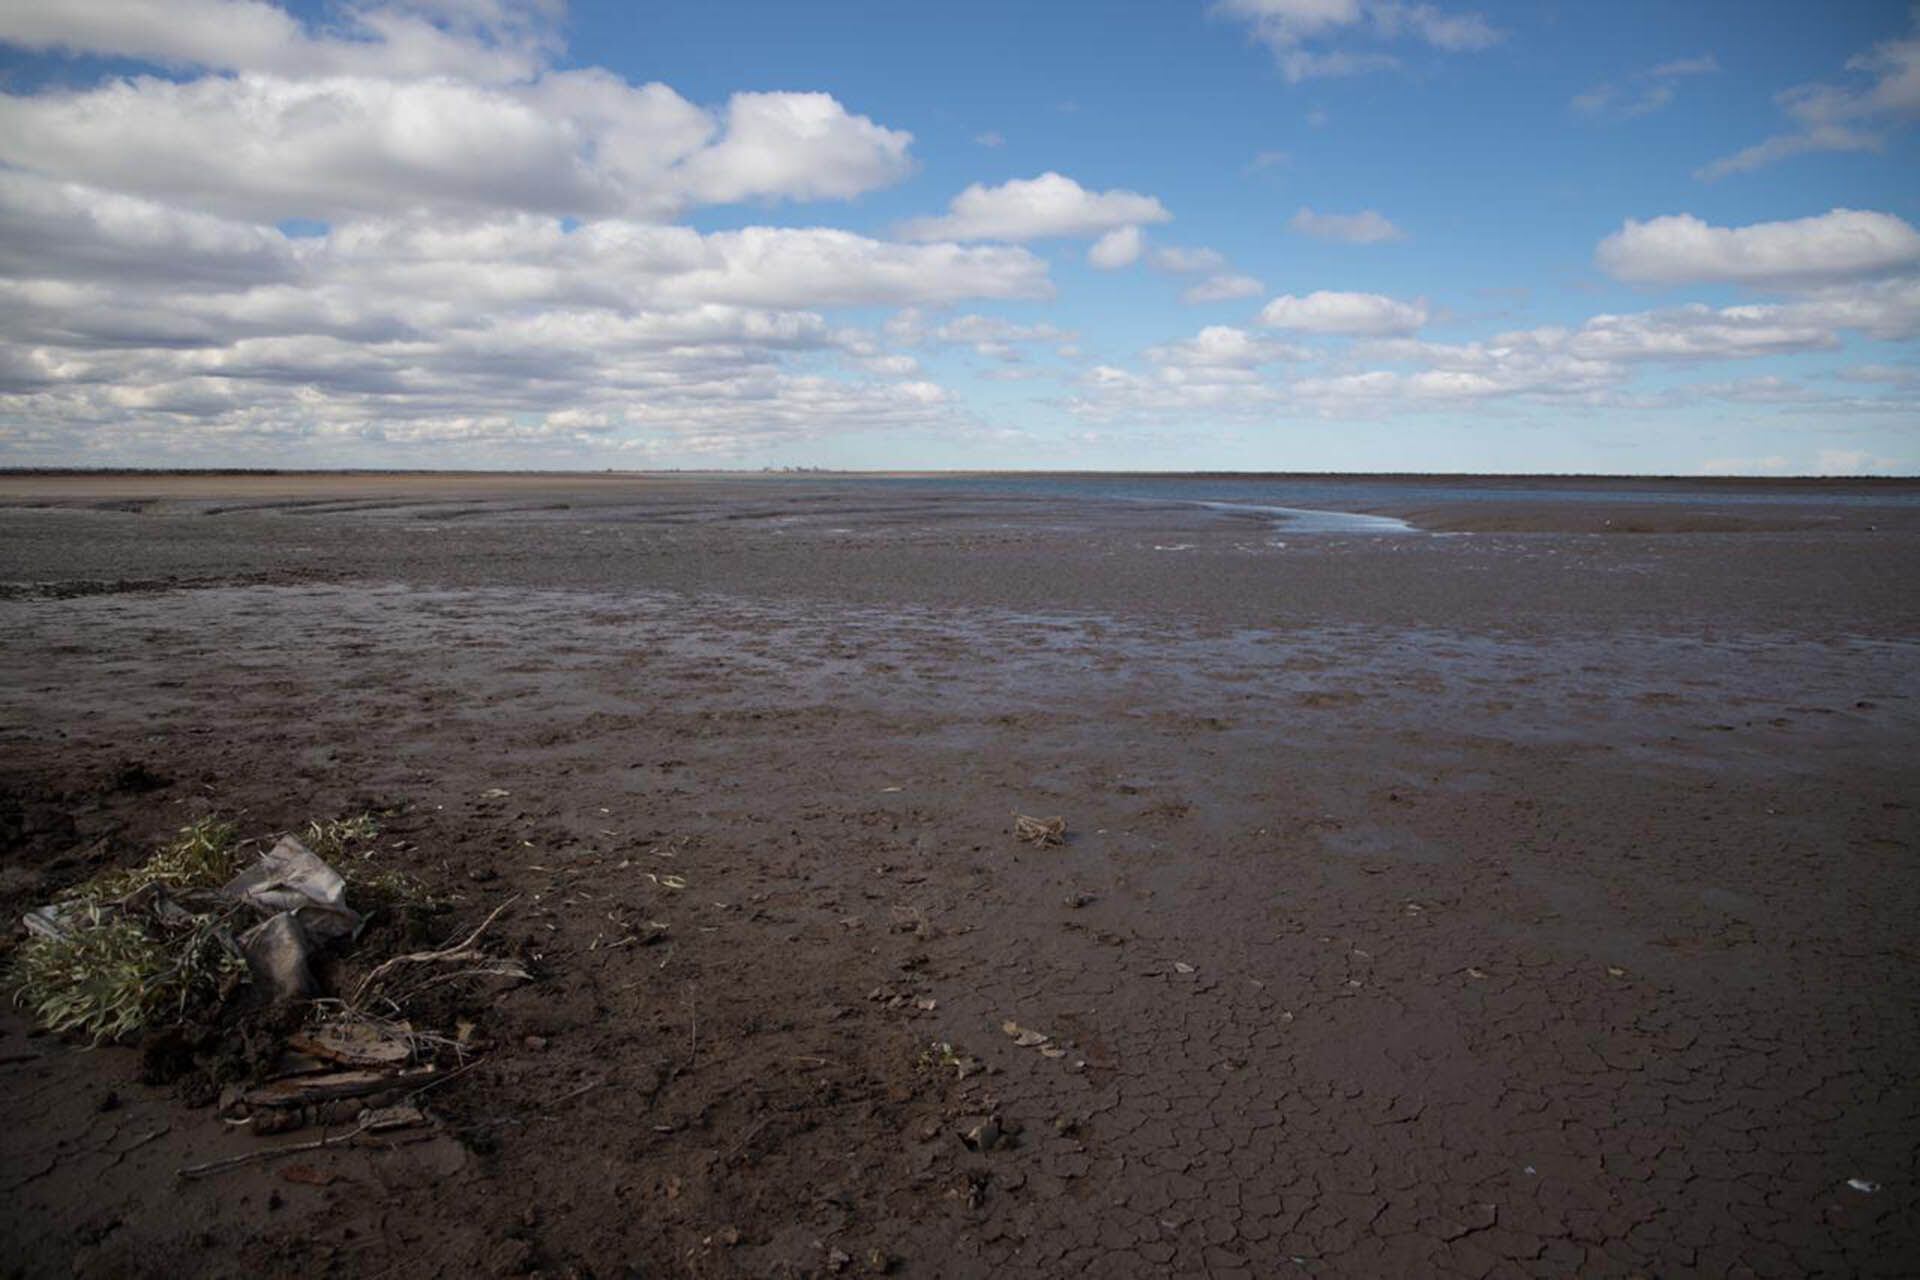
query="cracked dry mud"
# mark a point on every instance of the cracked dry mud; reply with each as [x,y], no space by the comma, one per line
[1515,904]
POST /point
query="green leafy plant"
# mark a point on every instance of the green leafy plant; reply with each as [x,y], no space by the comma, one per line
[205,855]
[143,945]
[110,973]
[335,837]
[125,957]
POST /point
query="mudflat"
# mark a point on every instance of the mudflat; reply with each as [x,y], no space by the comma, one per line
[1530,891]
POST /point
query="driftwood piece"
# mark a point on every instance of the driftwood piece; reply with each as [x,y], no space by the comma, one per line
[356,1044]
[303,1090]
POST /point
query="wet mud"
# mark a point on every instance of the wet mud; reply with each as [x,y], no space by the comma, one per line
[1508,903]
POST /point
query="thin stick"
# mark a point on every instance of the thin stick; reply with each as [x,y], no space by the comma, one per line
[693,1029]
[571,1094]
[161,1132]
[234,1162]
[498,969]
[448,1078]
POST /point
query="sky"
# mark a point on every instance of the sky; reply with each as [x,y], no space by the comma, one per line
[1307,235]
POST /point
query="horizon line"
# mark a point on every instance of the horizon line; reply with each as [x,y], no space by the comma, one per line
[917,472]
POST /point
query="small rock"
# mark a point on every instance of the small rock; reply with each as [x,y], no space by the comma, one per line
[984,1136]
[1023,1036]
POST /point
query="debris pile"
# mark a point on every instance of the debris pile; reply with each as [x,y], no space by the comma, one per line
[198,938]
[190,928]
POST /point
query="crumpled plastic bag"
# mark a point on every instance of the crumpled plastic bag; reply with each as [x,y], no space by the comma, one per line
[50,921]
[277,951]
[307,902]
[291,877]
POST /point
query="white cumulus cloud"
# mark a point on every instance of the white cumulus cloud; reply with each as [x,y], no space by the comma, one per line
[1217,373]
[1350,313]
[1220,346]
[483,41]
[1050,205]
[581,143]
[1120,247]
[801,146]
[407,226]
[136,329]
[1835,246]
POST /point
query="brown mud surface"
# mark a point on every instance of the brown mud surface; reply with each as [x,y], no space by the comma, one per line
[1507,903]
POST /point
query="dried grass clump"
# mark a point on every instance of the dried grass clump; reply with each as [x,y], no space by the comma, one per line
[1043,832]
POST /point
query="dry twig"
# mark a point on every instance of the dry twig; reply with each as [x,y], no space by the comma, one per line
[460,951]
[366,1125]
[693,1029]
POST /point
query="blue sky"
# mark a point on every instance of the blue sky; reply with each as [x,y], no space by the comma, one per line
[1250,234]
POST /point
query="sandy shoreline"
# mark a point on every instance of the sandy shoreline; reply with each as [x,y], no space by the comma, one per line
[1517,903]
